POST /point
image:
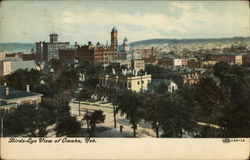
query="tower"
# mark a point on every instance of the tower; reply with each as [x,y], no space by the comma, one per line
[53,37]
[114,41]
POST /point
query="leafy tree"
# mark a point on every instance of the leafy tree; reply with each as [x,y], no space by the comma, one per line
[210,99]
[128,103]
[85,93]
[220,69]
[152,110]
[68,126]
[22,77]
[95,118]
[177,116]
[156,71]
[28,119]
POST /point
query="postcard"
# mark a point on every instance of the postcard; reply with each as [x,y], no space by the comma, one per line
[124,79]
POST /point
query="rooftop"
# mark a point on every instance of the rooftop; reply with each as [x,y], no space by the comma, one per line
[53,34]
[114,29]
[14,93]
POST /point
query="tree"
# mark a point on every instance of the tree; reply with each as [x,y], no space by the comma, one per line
[220,69]
[177,116]
[22,77]
[210,98]
[157,72]
[95,118]
[67,126]
[128,103]
[152,110]
[28,119]
[235,115]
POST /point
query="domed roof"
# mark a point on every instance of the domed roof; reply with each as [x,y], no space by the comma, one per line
[114,29]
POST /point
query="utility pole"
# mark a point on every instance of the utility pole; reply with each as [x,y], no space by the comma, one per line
[79,108]
[2,127]
[114,112]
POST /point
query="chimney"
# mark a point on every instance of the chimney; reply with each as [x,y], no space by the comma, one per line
[7,91]
[27,88]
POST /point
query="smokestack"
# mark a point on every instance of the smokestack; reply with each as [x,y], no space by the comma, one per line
[27,88]
[7,91]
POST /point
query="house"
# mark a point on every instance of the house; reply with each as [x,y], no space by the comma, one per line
[11,98]
[11,64]
[154,84]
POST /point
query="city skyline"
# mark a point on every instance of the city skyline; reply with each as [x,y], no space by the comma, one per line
[82,21]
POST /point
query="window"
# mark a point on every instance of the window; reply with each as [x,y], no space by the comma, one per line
[138,82]
[129,84]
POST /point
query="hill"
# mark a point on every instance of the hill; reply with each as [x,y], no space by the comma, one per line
[189,41]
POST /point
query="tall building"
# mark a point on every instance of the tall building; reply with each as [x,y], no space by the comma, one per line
[46,51]
[100,53]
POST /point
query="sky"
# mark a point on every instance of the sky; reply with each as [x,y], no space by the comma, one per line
[83,21]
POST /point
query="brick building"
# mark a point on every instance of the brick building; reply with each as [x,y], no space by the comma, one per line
[229,58]
[11,98]
[100,53]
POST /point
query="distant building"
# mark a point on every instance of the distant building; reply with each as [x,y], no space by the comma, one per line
[5,67]
[2,55]
[67,55]
[24,57]
[136,64]
[246,59]
[230,58]
[11,98]
[11,64]
[172,62]
[194,63]
[183,76]
[46,51]
[100,53]
[171,86]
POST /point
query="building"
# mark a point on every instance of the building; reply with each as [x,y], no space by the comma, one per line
[230,58]
[11,98]
[17,63]
[24,57]
[109,84]
[171,86]
[5,67]
[170,62]
[46,51]
[183,76]
[246,59]
[67,55]
[136,64]
[194,63]
[2,55]
[100,53]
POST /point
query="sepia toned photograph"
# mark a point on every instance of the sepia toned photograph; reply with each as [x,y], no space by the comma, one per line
[76,71]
